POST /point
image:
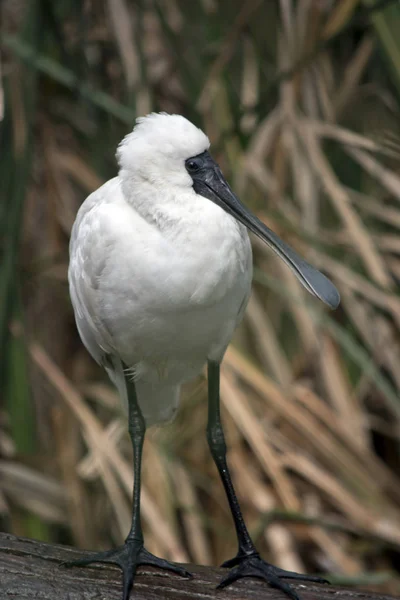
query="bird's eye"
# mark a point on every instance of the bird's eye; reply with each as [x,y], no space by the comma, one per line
[192,165]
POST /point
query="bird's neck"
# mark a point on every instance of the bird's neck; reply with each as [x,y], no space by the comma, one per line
[209,249]
[189,222]
[170,209]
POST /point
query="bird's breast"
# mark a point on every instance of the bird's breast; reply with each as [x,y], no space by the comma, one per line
[212,257]
[167,289]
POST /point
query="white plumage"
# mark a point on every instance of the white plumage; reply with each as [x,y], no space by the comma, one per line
[159,275]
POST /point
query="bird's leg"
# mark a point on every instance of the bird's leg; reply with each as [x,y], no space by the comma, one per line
[137,430]
[247,562]
[132,553]
[216,442]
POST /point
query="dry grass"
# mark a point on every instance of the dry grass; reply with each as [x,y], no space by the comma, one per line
[311,400]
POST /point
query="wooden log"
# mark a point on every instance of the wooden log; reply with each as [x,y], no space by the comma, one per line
[30,569]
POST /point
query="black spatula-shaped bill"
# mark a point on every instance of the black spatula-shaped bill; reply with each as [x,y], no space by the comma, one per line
[209,182]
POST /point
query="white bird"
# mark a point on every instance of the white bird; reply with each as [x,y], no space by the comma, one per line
[160,275]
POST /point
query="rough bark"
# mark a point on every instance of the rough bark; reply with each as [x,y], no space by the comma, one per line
[30,569]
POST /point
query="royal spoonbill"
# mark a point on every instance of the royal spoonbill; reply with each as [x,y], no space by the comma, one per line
[160,274]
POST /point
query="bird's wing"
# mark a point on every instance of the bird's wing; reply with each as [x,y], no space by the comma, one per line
[87,260]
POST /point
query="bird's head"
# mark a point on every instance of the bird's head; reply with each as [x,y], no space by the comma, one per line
[169,152]
[156,150]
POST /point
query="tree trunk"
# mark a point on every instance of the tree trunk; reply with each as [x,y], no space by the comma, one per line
[30,569]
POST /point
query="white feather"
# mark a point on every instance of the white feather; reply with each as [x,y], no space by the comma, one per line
[159,276]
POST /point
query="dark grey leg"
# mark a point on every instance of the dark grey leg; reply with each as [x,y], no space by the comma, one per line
[132,553]
[137,430]
[247,562]
[216,442]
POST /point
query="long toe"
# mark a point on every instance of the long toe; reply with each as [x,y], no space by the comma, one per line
[146,558]
[300,576]
[108,556]
[128,576]
[128,557]
[255,566]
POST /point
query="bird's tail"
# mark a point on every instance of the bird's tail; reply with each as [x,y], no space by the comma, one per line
[158,401]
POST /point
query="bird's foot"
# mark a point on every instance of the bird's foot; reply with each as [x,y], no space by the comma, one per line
[252,565]
[128,557]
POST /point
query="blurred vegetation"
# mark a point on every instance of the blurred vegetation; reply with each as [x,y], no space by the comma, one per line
[301,101]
